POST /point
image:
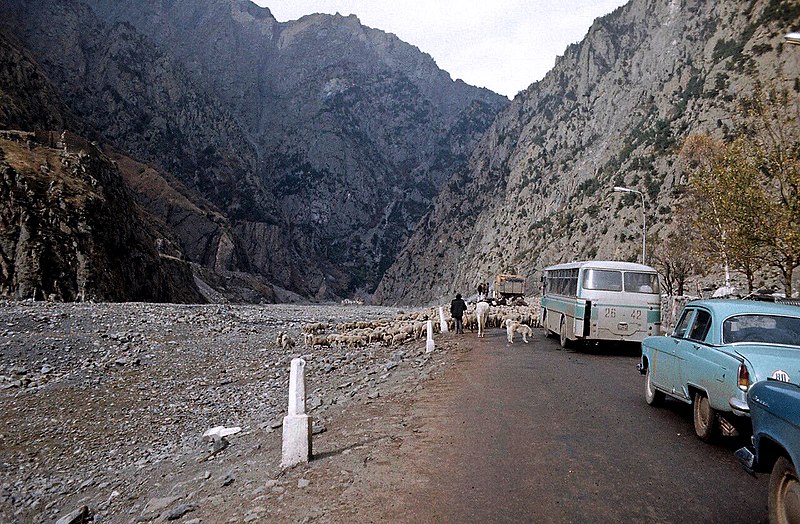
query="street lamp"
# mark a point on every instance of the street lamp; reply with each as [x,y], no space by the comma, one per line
[792,38]
[644,224]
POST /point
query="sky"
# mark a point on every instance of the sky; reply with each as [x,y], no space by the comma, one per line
[504,45]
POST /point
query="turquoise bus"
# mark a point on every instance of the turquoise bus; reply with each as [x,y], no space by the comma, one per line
[600,300]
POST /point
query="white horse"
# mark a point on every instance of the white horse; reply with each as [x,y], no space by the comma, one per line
[481,312]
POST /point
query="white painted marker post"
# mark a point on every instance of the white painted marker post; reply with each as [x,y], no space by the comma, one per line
[429,346]
[296,425]
[442,321]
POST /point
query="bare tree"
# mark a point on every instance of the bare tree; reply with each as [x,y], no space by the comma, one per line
[675,256]
[726,204]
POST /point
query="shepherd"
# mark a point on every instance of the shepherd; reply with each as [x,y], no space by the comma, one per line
[457,308]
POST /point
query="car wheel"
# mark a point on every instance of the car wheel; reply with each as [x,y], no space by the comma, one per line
[784,493]
[652,396]
[562,334]
[705,418]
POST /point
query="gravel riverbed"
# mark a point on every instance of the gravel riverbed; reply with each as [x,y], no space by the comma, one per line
[104,406]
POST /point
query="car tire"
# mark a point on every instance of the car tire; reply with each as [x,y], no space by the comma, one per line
[652,396]
[784,493]
[705,418]
[562,334]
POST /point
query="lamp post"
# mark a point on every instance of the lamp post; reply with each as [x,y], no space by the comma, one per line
[792,38]
[644,223]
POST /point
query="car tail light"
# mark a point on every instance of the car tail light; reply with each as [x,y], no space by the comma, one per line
[744,377]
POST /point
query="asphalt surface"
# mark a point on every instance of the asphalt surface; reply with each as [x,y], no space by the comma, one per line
[533,433]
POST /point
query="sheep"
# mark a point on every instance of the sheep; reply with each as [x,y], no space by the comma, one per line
[399,338]
[284,341]
[319,340]
[314,327]
[470,321]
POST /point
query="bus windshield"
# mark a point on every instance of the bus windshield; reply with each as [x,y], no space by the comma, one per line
[628,281]
[602,280]
[641,283]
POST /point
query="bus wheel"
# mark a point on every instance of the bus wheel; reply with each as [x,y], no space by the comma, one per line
[547,332]
[562,332]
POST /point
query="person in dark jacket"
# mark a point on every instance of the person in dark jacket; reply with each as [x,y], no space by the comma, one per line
[457,308]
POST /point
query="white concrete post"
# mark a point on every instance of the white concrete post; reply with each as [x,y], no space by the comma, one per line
[429,346]
[297,387]
[442,321]
[296,424]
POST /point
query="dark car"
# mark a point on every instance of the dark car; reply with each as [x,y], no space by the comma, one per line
[775,412]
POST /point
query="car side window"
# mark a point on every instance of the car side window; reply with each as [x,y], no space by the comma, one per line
[683,323]
[701,326]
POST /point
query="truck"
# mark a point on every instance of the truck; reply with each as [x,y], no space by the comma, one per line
[509,287]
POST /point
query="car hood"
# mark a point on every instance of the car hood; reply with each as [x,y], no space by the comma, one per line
[778,362]
[778,398]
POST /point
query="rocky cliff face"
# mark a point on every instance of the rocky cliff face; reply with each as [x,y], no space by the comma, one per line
[321,141]
[612,112]
[70,231]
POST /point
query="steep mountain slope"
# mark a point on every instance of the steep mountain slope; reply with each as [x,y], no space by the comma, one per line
[612,112]
[27,99]
[320,140]
[131,95]
[357,130]
[69,229]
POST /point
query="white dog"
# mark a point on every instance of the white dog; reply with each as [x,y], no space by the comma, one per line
[522,329]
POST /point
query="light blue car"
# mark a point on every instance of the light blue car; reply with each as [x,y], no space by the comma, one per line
[717,350]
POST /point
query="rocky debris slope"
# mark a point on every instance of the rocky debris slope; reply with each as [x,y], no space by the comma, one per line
[69,229]
[105,405]
[613,111]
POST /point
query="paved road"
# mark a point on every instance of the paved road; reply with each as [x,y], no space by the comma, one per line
[533,433]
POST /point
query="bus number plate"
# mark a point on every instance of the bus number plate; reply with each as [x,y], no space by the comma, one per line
[610,312]
[636,314]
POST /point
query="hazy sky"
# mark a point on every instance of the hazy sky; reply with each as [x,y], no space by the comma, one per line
[504,45]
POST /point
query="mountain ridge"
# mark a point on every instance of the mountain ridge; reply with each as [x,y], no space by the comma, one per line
[612,112]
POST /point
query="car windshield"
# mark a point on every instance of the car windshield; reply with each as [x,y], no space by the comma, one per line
[763,329]
[641,282]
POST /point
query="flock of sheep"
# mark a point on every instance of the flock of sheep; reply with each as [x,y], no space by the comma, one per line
[406,327]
